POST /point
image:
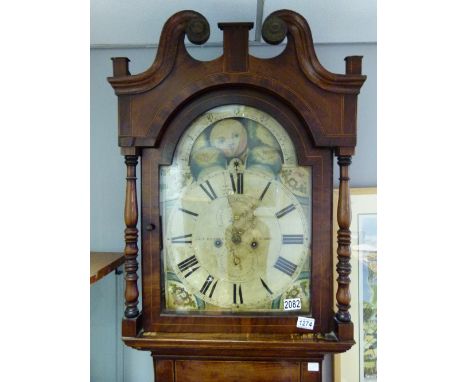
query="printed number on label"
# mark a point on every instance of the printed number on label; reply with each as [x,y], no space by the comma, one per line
[292,304]
[305,323]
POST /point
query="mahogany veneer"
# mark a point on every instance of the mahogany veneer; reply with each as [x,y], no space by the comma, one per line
[318,109]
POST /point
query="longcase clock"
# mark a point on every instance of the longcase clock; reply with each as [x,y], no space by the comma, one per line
[236,204]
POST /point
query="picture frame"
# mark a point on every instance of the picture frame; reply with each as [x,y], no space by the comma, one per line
[359,364]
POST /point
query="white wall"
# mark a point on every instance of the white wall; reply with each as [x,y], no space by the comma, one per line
[108,186]
[106,346]
[141,21]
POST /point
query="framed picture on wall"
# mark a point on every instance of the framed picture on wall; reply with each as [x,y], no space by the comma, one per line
[360,363]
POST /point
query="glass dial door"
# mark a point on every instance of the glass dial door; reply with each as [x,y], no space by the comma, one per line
[236,216]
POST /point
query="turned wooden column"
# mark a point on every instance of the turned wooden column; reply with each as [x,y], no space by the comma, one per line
[131,239]
[343,267]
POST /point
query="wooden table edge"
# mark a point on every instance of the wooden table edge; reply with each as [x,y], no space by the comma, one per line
[115,260]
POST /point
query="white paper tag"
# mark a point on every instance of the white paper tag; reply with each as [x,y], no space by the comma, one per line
[313,366]
[305,323]
[292,304]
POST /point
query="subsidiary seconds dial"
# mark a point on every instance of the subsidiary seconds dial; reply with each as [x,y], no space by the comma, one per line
[237,239]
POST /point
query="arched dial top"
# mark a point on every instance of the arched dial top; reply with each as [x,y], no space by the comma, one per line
[266,125]
[236,216]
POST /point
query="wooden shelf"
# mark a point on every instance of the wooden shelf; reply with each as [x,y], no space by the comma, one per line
[102,263]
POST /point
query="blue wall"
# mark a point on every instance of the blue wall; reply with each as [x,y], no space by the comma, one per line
[110,360]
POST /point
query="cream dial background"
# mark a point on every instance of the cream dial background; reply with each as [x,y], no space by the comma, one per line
[237,239]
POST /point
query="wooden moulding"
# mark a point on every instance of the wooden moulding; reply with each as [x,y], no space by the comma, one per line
[236,46]
[222,345]
[344,151]
[353,64]
[344,330]
[131,327]
[325,101]
[136,151]
[120,66]
[164,369]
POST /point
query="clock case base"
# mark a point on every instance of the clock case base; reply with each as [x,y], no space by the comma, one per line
[234,357]
[236,369]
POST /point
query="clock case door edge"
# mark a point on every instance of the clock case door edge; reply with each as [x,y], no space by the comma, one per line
[321,162]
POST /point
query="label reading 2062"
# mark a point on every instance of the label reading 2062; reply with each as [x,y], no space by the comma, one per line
[292,304]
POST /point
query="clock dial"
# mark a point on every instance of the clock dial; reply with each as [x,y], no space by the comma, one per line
[237,239]
[235,234]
